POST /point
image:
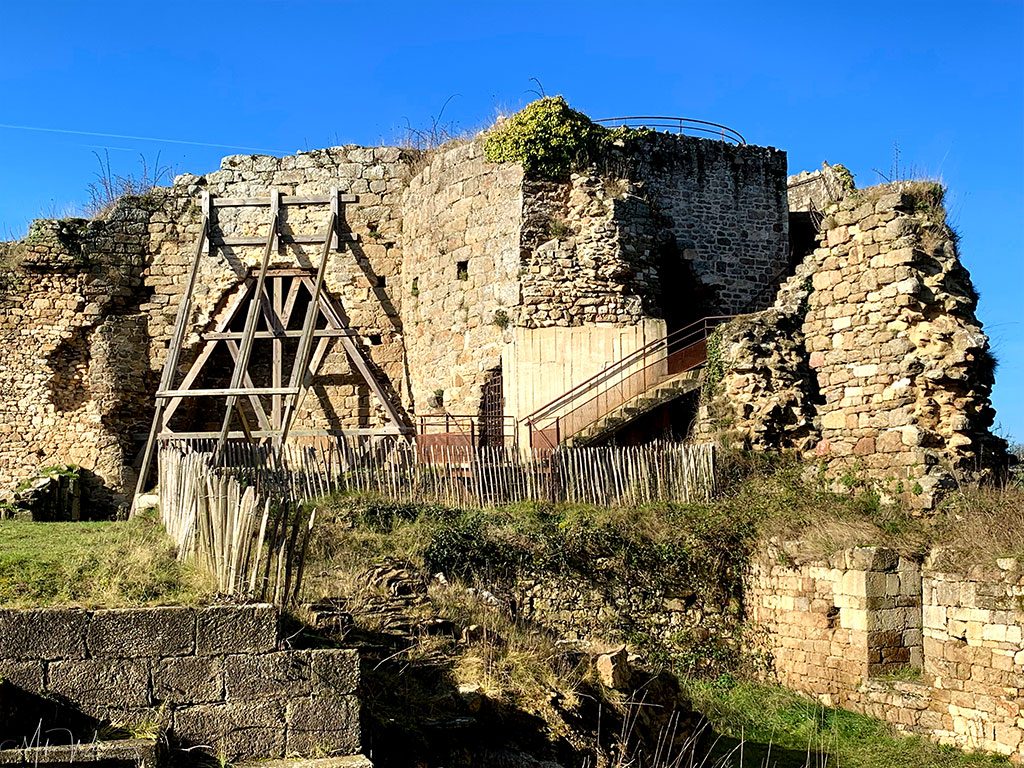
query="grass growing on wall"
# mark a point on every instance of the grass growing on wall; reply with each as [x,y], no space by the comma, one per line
[98,564]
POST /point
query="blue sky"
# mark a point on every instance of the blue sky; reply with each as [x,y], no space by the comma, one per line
[845,82]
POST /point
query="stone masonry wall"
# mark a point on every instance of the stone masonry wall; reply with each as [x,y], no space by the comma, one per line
[929,648]
[210,676]
[357,278]
[726,207]
[73,347]
[872,354]
[461,224]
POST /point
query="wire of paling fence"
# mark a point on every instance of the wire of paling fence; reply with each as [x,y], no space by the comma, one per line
[248,522]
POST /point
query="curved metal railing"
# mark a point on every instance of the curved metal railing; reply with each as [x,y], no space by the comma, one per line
[636,373]
[681,125]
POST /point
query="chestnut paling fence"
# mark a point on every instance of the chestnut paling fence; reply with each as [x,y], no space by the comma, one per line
[249,520]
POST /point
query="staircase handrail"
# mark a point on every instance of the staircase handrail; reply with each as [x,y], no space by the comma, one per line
[698,330]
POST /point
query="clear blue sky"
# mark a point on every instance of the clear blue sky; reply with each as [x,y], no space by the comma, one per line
[843,82]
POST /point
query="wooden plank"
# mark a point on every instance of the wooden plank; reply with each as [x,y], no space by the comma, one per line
[348,237]
[226,392]
[277,355]
[174,349]
[255,202]
[278,335]
[299,376]
[242,363]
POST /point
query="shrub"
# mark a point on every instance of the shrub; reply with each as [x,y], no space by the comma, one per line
[548,137]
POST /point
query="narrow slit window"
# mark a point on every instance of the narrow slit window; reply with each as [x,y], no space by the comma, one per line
[462,270]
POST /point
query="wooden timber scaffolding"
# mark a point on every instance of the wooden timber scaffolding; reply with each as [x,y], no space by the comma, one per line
[271,294]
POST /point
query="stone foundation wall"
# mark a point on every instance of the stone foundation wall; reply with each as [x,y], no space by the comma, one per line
[581,608]
[211,676]
[932,650]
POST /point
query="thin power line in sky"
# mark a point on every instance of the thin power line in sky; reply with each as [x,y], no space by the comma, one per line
[138,138]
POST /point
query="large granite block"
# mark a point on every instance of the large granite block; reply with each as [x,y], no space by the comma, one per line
[132,632]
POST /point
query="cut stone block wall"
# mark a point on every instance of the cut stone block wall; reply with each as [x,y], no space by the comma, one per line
[847,630]
[213,676]
[461,223]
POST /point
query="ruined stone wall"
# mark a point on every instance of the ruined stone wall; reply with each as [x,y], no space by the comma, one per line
[902,363]
[357,278]
[816,190]
[462,220]
[872,353]
[931,649]
[209,677]
[73,375]
[589,254]
[726,207]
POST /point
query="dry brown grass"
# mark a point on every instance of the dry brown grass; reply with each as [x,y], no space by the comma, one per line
[979,525]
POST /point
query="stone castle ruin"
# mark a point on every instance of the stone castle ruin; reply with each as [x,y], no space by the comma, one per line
[469,296]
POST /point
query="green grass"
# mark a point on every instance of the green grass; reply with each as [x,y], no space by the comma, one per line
[795,726]
[93,564]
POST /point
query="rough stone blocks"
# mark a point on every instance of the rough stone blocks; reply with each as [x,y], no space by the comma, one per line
[236,629]
[142,632]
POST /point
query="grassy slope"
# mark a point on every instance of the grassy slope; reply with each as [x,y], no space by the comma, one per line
[796,727]
[93,564]
[762,498]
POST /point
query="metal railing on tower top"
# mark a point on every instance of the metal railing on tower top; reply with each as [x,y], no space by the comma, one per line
[681,125]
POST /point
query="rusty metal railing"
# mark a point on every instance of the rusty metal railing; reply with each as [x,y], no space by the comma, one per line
[637,373]
[681,125]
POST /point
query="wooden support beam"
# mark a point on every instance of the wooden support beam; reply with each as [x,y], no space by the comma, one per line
[278,335]
[348,237]
[299,377]
[255,202]
[174,349]
[167,394]
[242,363]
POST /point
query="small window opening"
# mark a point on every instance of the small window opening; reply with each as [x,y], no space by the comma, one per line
[462,270]
[415,286]
[382,282]
[374,339]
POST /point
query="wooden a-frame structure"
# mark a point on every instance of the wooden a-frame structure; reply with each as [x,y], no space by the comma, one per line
[272,296]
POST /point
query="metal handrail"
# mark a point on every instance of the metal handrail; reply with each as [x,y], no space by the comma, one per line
[695,328]
[622,380]
[678,124]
